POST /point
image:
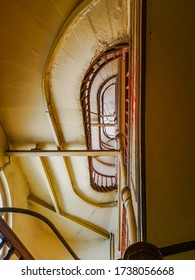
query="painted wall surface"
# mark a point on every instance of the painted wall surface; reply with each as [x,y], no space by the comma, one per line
[3,147]
[170,131]
[29,30]
[29,230]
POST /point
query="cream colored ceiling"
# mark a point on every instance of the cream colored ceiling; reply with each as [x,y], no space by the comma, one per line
[31,47]
[46,49]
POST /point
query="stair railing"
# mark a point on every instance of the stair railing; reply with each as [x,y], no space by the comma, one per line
[11,244]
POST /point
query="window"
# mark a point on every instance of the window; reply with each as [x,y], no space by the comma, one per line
[5,201]
[2,203]
[5,197]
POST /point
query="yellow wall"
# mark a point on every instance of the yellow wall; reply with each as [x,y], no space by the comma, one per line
[170,133]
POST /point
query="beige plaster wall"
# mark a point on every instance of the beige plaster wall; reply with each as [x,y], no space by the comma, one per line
[170,133]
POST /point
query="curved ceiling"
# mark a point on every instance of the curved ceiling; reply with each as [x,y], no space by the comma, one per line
[44,58]
[47,47]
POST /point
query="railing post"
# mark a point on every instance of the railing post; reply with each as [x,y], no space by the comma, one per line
[126,196]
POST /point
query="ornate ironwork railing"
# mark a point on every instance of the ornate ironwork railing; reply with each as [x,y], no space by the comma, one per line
[99,181]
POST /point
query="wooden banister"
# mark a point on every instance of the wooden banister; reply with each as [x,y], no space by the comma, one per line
[11,241]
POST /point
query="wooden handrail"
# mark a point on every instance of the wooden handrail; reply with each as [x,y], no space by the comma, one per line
[104,58]
[9,239]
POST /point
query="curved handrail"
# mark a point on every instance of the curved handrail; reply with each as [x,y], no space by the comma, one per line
[50,108]
[103,182]
[45,220]
[108,56]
